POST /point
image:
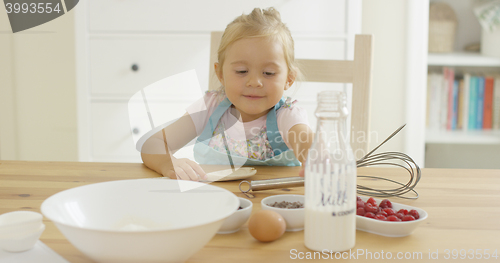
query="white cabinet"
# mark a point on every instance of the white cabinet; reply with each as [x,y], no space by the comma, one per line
[125,45]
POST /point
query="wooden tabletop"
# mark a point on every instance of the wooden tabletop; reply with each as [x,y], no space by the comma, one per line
[463,208]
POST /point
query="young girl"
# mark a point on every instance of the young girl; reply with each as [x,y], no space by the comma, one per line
[247,121]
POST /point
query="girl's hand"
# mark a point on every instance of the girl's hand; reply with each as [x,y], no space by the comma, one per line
[184,169]
[300,138]
[302,171]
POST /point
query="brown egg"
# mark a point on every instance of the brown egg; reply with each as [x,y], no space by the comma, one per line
[266,225]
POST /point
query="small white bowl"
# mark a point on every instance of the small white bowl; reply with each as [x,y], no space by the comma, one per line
[19,223]
[390,228]
[23,242]
[233,223]
[294,217]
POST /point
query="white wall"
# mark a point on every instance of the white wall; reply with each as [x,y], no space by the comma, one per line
[38,122]
[8,135]
[385,19]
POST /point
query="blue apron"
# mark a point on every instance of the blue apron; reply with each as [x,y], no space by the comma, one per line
[204,154]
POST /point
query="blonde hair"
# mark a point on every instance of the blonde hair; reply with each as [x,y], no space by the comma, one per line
[260,23]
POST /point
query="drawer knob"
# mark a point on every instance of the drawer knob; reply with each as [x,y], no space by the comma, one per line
[135,67]
[135,131]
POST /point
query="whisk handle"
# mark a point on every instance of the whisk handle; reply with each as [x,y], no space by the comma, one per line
[279,183]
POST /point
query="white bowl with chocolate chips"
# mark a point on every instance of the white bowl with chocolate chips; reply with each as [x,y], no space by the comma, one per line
[291,207]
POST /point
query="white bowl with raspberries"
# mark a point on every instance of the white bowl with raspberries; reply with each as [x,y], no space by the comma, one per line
[386,218]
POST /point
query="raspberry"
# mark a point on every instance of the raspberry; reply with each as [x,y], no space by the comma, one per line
[403,211]
[400,215]
[414,213]
[360,211]
[408,218]
[393,218]
[370,215]
[370,208]
[389,211]
[382,213]
[386,204]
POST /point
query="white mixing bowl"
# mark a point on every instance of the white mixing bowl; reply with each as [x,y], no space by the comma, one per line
[144,220]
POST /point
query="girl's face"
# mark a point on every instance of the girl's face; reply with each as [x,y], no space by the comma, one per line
[254,75]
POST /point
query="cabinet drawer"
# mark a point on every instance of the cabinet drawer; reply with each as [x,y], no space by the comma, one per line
[111,135]
[114,129]
[155,57]
[197,15]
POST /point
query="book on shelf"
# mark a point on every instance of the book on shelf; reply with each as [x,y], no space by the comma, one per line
[472,103]
[434,102]
[488,103]
[463,101]
[449,76]
[496,104]
[480,103]
[460,104]
[465,96]
[454,106]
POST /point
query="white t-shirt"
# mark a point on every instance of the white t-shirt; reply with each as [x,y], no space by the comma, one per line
[201,110]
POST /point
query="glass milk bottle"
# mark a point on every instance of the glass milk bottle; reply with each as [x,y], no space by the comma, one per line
[330,179]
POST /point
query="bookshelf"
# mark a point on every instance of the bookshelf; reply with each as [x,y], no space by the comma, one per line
[461,62]
[462,59]
[487,137]
[471,148]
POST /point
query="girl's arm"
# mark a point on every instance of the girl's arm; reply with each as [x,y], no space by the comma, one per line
[158,156]
[300,137]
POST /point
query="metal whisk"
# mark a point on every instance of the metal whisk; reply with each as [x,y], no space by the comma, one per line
[370,159]
[392,159]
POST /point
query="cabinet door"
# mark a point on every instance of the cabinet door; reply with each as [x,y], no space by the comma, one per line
[120,66]
[114,135]
[312,17]
[111,133]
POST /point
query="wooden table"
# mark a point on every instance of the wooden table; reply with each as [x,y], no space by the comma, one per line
[463,208]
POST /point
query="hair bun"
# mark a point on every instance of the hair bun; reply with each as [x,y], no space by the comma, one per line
[271,12]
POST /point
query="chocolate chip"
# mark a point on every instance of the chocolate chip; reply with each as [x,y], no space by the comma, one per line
[287,205]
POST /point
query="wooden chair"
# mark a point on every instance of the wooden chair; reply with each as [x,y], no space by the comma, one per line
[357,72]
